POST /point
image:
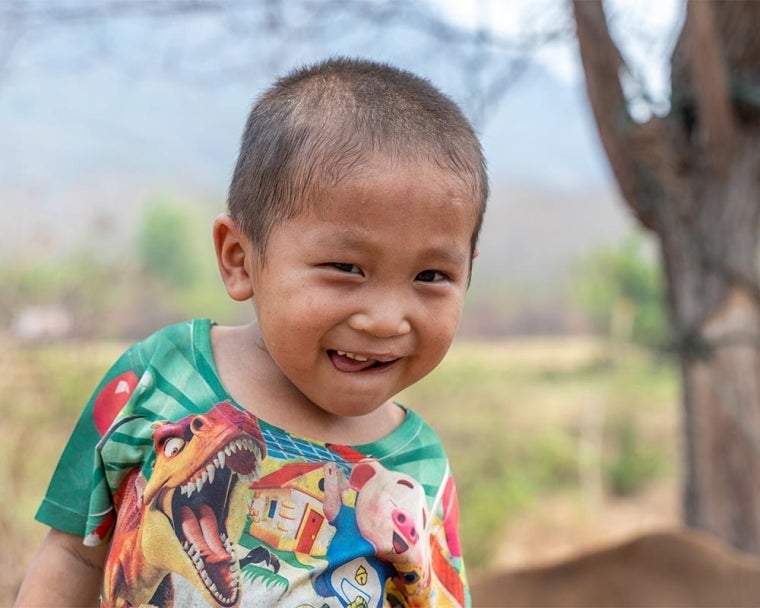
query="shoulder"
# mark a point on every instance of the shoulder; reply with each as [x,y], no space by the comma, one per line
[415,433]
[164,376]
[186,340]
[413,449]
[187,334]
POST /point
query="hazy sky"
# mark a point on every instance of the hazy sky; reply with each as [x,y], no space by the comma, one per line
[646,27]
[95,121]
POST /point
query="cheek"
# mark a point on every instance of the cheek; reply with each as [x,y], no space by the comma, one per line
[374,521]
[291,334]
[290,309]
[441,324]
[438,334]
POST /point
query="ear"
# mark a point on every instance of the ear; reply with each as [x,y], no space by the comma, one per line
[362,472]
[234,255]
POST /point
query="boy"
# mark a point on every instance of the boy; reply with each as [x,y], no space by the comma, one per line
[267,464]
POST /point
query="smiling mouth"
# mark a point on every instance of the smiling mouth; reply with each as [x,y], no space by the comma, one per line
[399,544]
[352,363]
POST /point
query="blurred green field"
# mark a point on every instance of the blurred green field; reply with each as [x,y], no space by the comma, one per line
[531,426]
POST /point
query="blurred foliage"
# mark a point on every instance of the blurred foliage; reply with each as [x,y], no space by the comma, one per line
[81,282]
[169,275]
[622,289]
[511,415]
[633,461]
[166,248]
[177,260]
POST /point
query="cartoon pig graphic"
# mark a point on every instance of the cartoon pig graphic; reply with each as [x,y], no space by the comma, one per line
[382,543]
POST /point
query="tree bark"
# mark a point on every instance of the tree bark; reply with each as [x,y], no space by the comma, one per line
[692,177]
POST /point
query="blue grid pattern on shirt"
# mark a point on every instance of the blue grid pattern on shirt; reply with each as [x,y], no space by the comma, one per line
[284,447]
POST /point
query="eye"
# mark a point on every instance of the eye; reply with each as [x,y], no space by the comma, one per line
[431,276]
[411,577]
[346,267]
[173,446]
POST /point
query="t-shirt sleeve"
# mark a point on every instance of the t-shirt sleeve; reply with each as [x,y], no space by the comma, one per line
[422,456]
[77,487]
[447,549]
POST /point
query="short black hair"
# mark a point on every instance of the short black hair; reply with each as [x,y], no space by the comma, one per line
[317,124]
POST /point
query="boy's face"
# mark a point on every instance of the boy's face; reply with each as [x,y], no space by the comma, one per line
[360,295]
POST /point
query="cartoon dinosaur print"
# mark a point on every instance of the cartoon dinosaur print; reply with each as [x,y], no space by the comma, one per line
[188,516]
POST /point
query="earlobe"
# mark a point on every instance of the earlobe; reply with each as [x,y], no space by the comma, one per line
[233,256]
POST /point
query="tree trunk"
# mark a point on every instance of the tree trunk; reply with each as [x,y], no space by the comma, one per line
[717,322]
[693,178]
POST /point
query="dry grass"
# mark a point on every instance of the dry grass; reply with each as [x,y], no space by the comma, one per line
[506,411]
[532,426]
[42,390]
[576,519]
[566,524]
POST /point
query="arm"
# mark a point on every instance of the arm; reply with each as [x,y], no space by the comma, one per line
[63,572]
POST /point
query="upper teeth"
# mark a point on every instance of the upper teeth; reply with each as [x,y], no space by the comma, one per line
[353,356]
[207,474]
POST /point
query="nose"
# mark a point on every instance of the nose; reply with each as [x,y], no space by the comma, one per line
[383,319]
[405,525]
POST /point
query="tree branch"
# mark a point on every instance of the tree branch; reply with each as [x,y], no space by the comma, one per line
[603,66]
[717,125]
[488,60]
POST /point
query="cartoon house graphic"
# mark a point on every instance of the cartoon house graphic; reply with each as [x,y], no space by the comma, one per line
[286,509]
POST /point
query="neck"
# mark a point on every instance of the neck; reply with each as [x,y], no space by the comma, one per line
[255,382]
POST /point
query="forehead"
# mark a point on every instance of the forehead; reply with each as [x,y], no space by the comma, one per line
[410,208]
[381,188]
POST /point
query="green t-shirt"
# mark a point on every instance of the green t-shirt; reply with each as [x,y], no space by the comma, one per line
[205,504]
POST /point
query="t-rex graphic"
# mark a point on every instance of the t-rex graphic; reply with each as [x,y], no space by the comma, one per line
[188,516]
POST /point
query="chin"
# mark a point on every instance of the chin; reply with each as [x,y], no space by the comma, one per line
[345,403]
[350,409]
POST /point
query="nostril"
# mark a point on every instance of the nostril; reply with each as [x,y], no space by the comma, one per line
[405,524]
[197,423]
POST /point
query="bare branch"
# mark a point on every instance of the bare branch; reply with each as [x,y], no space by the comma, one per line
[414,14]
[11,34]
[238,35]
[711,84]
[48,12]
[603,66]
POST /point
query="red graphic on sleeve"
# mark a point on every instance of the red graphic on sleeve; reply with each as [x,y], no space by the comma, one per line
[451,518]
[112,399]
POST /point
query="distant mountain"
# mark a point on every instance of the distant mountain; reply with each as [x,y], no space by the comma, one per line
[82,151]
[65,127]
[543,132]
